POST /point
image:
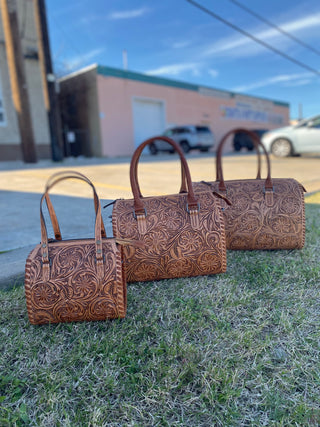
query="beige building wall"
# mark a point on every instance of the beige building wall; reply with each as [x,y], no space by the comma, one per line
[9,132]
[115,113]
[221,111]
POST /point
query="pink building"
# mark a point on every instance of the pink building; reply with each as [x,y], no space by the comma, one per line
[109,112]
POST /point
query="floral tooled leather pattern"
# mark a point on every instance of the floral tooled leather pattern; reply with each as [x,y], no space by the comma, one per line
[74,291]
[251,224]
[173,248]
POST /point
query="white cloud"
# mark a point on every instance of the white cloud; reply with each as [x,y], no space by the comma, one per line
[128,14]
[301,82]
[244,46]
[81,60]
[176,69]
[287,79]
[307,22]
[213,73]
[181,45]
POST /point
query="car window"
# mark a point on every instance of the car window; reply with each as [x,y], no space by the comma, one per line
[168,132]
[203,129]
[315,123]
[260,132]
[183,130]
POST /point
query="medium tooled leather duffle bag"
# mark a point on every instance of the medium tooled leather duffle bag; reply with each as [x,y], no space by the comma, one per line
[73,280]
[264,213]
[183,233]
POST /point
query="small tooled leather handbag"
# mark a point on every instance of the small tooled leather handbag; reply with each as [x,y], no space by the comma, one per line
[72,280]
[183,233]
[264,213]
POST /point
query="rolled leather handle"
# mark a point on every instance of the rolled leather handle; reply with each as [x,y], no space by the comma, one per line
[183,179]
[97,228]
[50,182]
[256,146]
[138,203]
[257,142]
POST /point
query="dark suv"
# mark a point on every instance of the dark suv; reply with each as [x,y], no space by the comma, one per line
[188,137]
[243,140]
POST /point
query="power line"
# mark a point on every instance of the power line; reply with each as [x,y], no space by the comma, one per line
[254,38]
[271,24]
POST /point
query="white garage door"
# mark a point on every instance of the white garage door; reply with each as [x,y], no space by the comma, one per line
[148,119]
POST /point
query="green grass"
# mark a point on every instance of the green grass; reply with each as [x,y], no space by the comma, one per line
[237,349]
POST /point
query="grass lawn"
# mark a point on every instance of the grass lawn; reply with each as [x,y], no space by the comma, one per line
[236,349]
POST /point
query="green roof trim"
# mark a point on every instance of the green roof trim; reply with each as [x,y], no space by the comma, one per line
[131,75]
[281,104]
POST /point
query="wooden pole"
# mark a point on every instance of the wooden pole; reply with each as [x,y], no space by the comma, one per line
[18,79]
[48,80]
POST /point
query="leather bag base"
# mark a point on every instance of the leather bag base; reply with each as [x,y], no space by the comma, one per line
[74,292]
[251,224]
[174,247]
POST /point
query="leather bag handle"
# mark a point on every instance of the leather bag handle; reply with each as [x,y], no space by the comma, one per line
[53,178]
[256,146]
[183,188]
[97,229]
[257,142]
[138,198]
[183,176]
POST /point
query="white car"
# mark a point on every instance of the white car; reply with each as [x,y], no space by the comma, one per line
[304,137]
[188,137]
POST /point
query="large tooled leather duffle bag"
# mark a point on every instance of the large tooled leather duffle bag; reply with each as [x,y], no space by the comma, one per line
[264,213]
[183,233]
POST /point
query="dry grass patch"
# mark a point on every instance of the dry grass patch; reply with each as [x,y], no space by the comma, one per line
[241,348]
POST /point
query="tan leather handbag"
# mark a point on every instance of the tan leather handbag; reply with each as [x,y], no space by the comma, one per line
[264,213]
[183,233]
[71,280]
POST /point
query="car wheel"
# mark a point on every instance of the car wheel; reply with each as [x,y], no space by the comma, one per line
[204,149]
[281,147]
[185,146]
[153,149]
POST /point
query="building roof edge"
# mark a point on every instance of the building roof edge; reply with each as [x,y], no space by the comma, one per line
[146,78]
[78,72]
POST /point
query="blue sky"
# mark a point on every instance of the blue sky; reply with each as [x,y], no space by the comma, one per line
[173,39]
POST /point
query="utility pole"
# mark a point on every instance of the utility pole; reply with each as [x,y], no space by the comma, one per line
[125,59]
[18,78]
[48,80]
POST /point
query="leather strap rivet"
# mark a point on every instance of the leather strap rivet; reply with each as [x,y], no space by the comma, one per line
[99,251]
[44,245]
[44,254]
[98,242]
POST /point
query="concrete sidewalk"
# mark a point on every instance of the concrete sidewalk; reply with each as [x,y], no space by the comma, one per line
[21,186]
[20,217]
[20,233]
